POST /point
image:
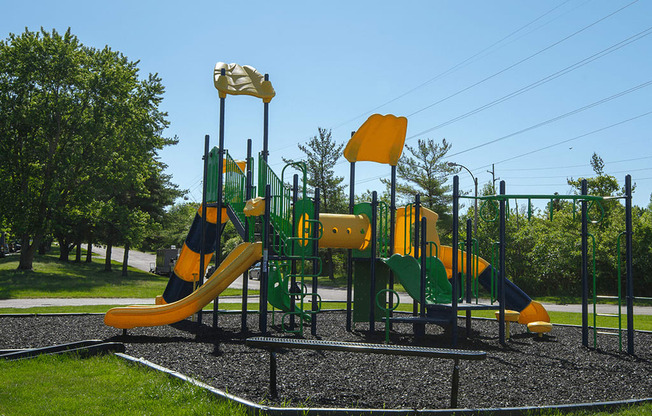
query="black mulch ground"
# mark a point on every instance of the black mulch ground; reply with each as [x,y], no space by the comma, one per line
[529,372]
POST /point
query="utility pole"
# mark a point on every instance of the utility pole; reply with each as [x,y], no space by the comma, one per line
[493,177]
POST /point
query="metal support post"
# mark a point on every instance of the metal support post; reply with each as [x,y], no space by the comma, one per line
[315,264]
[245,282]
[417,241]
[349,258]
[202,249]
[629,275]
[266,127]
[392,229]
[220,197]
[421,327]
[503,271]
[469,274]
[372,259]
[264,275]
[585,267]
[455,259]
[293,262]
[455,383]
[273,392]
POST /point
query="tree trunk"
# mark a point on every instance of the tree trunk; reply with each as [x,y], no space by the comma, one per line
[89,252]
[64,249]
[125,260]
[45,246]
[331,269]
[28,251]
[107,261]
[78,253]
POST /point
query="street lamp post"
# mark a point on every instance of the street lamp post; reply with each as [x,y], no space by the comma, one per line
[475,206]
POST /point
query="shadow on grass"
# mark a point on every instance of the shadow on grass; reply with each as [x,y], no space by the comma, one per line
[52,277]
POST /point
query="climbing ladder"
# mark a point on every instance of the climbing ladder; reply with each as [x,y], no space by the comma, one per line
[289,271]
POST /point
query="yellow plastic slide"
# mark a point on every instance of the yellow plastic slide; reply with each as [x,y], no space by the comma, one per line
[236,263]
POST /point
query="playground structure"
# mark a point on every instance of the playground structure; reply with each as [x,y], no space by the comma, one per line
[283,229]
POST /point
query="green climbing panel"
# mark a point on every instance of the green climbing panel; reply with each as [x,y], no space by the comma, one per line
[362,299]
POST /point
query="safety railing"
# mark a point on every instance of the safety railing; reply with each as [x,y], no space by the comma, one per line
[235,190]
[212,175]
[280,204]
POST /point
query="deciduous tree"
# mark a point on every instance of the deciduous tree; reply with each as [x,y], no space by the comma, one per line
[78,126]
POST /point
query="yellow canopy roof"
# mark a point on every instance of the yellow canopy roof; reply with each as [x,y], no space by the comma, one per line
[242,80]
[380,139]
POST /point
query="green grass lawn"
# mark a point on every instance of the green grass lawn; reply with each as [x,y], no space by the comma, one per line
[641,322]
[107,385]
[52,278]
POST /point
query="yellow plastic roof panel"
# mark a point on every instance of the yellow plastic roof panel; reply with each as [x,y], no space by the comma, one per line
[242,80]
[380,139]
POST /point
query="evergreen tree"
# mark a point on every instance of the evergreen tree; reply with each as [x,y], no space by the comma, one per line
[422,170]
[322,154]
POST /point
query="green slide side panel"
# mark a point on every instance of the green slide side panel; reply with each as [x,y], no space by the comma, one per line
[408,271]
[278,292]
[362,288]
[439,288]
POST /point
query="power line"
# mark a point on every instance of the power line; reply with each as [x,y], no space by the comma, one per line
[442,74]
[579,176]
[569,140]
[583,165]
[542,81]
[522,60]
[546,147]
[451,69]
[560,117]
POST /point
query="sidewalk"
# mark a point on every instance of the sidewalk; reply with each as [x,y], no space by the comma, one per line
[142,261]
[327,294]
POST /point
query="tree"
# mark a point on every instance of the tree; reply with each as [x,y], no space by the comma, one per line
[422,171]
[322,154]
[42,100]
[601,185]
[172,228]
[77,126]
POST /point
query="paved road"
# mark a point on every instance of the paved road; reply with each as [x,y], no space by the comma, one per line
[137,259]
[143,261]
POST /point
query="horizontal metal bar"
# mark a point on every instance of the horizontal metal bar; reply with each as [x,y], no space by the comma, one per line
[548,197]
[271,343]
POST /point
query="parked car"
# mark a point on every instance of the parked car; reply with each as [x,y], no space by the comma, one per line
[254,272]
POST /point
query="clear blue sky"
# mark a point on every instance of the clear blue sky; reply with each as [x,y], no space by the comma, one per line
[334,63]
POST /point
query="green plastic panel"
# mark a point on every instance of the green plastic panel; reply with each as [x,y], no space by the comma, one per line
[362,286]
